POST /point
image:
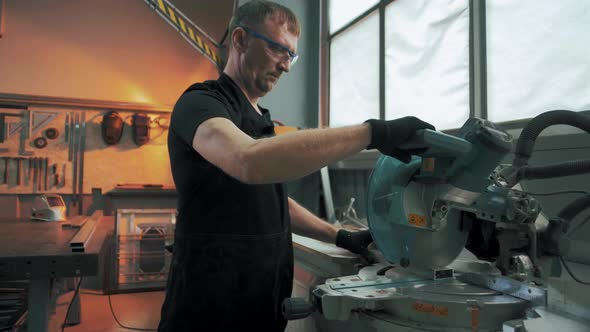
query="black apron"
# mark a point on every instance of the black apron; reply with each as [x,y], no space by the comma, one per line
[228,282]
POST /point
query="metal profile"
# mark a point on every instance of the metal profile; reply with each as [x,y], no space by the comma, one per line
[24,101]
[80,240]
[535,295]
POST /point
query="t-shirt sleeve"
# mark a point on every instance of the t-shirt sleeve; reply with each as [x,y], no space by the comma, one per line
[192,109]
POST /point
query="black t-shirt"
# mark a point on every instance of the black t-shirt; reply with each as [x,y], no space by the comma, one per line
[210,201]
[233,254]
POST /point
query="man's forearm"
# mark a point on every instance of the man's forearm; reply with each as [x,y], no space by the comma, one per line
[306,224]
[294,155]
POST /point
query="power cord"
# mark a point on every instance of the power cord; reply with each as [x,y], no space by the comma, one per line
[567,268]
[63,325]
[553,193]
[121,325]
[110,306]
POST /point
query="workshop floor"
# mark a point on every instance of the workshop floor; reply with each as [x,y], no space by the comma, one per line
[135,310]
[96,314]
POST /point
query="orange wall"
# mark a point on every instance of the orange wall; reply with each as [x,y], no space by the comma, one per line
[107,50]
[112,50]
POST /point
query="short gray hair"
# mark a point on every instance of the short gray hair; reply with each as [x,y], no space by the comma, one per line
[255,12]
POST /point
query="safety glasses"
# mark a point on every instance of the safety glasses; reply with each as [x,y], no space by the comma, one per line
[279,50]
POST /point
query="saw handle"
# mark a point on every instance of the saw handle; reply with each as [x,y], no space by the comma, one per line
[296,308]
[432,143]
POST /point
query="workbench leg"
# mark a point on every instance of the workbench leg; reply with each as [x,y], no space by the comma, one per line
[73,317]
[38,317]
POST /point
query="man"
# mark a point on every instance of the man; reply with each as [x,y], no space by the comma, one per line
[233,257]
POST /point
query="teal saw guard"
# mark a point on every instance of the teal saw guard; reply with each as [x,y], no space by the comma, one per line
[398,212]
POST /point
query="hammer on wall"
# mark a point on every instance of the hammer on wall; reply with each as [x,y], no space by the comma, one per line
[5,178]
[19,161]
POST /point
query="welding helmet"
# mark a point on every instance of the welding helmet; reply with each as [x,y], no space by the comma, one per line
[112,128]
[48,207]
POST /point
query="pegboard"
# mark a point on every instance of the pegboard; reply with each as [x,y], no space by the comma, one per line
[105,166]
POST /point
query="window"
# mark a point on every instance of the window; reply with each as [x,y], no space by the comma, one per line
[545,62]
[354,73]
[537,55]
[342,12]
[427,61]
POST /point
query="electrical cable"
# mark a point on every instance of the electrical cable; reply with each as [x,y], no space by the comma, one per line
[121,325]
[63,325]
[552,193]
[578,225]
[110,306]
[571,274]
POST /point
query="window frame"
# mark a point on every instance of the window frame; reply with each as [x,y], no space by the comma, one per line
[478,99]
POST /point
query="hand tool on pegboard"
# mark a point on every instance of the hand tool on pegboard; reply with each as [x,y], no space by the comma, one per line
[75,145]
[81,156]
[2,127]
[55,176]
[63,176]
[19,161]
[5,126]
[35,173]
[40,165]
[22,148]
[51,133]
[5,177]
[9,128]
[71,139]
[5,132]
[40,119]
[46,179]
[67,127]
[29,170]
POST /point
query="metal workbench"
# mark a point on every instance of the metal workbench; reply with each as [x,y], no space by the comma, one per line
[40,252]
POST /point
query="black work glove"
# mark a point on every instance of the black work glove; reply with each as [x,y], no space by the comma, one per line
[387,135]
[356,242]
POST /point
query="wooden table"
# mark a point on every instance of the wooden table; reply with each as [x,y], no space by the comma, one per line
[39,252]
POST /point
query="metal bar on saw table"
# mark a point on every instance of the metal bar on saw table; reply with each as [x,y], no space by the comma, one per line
[535,295]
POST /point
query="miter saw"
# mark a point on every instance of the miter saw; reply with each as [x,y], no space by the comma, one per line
[454,194]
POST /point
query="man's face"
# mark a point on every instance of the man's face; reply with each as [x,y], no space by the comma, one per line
[267,55]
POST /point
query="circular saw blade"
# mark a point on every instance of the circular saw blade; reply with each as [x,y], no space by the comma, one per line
[399,212]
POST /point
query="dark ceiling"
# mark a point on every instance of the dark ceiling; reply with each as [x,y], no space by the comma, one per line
[210,15]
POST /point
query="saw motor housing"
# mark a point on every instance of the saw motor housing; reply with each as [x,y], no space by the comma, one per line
[421,213]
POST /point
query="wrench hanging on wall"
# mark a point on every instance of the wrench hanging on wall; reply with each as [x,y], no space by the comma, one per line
[75,144]
[78,142]
[82,148]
